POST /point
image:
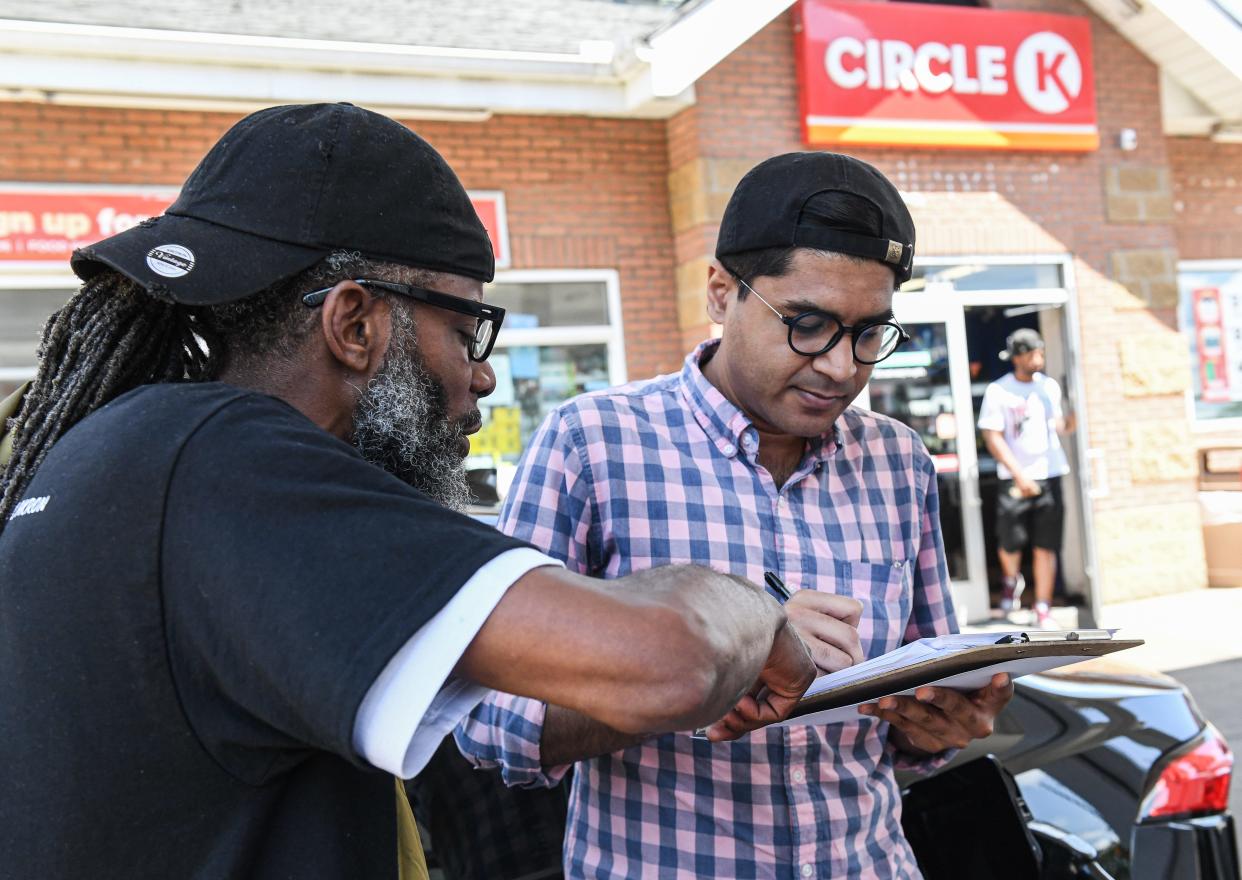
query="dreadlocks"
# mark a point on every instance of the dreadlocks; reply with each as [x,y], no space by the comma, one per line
[110,337]
[113,336]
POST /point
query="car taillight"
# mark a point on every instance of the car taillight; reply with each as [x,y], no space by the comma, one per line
[1194,783]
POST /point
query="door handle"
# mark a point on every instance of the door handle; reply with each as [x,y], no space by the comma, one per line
[1097,473]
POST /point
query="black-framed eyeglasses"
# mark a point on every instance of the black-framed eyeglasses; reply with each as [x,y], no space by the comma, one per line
[815,332]
[488,318]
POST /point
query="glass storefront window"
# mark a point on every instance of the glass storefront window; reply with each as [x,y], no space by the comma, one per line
[913,387]
[558,341]
[1210,316]
[551,304]
[986,276]
[23,313]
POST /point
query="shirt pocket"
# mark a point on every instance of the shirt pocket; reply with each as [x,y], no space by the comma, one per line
[884,590]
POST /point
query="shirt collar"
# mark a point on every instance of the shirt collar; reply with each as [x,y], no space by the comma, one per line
[727,426]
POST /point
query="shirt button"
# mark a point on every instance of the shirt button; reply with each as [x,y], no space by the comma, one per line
[807,870]
[799,776]
[729,450]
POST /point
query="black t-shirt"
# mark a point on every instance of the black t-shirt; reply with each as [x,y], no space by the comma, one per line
[195,596]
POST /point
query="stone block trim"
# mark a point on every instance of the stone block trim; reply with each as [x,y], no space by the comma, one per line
[687,196]
[691,293]
[1162,451]
[1153,364]
[1138,194]
[700,189]
[1150,551]
[1148,273]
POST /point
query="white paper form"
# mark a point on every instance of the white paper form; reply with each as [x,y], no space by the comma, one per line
[933,648]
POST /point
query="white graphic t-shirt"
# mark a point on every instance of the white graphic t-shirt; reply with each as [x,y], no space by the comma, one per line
[1027,413]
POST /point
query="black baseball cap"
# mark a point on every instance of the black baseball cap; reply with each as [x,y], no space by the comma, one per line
[1021,341]
[767,210]
[285,187]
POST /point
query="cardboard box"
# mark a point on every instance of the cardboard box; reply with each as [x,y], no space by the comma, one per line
[1222,537]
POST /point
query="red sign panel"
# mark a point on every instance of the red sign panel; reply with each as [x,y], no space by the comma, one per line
[910,74]
[45,225]
[491,210]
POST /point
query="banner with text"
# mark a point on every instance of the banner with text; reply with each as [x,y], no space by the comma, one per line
[904,74]
[41,227]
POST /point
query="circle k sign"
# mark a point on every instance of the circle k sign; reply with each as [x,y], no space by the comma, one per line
[1047,72]
[968,78]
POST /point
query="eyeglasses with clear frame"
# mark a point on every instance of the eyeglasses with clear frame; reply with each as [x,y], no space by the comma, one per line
[487,318]
[815,332]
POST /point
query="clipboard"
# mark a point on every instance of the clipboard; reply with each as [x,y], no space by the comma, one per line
[965,669]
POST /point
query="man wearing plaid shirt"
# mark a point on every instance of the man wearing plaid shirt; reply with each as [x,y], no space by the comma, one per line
[750,461]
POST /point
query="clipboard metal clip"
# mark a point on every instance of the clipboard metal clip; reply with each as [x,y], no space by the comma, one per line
[1013,639]
[1081,635]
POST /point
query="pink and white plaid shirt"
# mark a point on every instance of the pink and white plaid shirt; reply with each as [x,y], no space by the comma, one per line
[665,471]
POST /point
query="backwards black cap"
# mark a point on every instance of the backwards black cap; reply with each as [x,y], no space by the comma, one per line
[767,210]
[1021,341]
[284,188]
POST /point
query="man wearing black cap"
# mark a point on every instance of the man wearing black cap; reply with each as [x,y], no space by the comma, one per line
[231,592]
[1022,420]
[752,461]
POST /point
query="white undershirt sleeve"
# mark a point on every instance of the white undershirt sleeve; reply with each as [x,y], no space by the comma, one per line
[414,702]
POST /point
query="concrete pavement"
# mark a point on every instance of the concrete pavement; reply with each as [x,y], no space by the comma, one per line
[1183,630]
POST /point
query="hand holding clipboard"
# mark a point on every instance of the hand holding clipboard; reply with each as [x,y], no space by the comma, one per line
[961,662]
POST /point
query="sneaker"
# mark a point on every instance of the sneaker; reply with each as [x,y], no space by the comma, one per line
[1011,592]
[1043,616]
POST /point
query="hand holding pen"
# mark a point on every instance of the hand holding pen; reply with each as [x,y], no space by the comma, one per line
[827,623]
[822,625]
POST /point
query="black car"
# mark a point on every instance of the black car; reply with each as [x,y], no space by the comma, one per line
[1093,771]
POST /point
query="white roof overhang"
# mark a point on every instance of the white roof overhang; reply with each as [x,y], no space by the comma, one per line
[136,67]
[701,36]
[1198,47]
[143,67]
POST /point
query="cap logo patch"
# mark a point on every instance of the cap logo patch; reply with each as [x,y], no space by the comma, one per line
[894,253]
[171,260]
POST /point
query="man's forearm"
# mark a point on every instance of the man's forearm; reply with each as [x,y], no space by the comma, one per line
[1000,450]
[665,649]
[570,736]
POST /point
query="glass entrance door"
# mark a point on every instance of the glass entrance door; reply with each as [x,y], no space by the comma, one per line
[926,385]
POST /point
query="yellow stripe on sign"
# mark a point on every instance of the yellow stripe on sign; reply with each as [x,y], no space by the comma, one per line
[981,139]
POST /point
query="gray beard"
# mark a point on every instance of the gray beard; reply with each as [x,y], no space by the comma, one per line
[401,424]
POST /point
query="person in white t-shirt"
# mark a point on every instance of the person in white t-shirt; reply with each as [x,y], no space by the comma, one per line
[1021,419]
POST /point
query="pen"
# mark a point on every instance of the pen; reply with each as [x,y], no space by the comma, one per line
[777,586]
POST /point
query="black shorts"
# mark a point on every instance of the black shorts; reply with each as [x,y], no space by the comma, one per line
[1039,519]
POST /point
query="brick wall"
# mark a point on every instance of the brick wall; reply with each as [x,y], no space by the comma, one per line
[1207,191]
[581,193]
[97,145]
